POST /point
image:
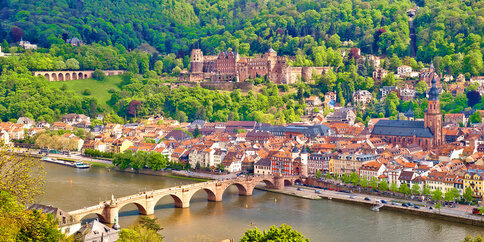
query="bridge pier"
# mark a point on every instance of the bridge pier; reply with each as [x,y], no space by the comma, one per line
[278,182]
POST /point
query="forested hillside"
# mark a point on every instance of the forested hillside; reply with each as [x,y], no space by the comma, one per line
[444,27]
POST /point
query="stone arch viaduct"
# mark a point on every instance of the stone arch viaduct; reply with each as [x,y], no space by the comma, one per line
[107,211]
[73,75]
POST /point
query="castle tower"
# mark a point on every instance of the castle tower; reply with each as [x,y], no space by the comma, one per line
[433,117]
[196,61]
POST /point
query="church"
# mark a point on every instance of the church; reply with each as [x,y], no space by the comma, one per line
[427,134]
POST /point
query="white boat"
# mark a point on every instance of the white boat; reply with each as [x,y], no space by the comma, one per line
[81,165]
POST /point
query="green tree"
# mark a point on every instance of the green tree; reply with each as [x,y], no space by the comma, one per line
[404,189]
[139,233]
[40,227]
[281,233]
[72,64]
[475,118]
[415,189]
[437,195]
[468,195]
[383,185]
[354,178]
[469,238]
[319,174]
[421,87]
[158,67]
[99,75]
[426,190]
[438,206]
[393,187]
[328,176]
[196,132]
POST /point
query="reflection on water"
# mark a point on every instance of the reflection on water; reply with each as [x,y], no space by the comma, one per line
[212,221]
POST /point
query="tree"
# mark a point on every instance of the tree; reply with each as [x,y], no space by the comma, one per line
[404,189]
[393,187]
[196,132]
[383,186]
[21,176]
[469,238]
[473,98]
[354,178]
[281,233]
[373,183]
[99,75]
[40,227]
[437,195]
[72,64]
[319,174]
[468,195]
[421,87]
[17,33]
[438,206]
[475,118]
[139,233]
[133,108]
[328,176]
[334,41]
[176,71]
[158,67]
[415,189]
[426,190]
[449,196]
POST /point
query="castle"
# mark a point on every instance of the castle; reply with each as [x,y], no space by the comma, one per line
[229,66]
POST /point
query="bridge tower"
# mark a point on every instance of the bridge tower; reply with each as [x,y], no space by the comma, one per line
[196,61]
[304,162]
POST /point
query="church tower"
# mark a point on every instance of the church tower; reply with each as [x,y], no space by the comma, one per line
[433,117]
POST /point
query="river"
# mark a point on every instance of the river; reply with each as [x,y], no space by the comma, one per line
[320,220]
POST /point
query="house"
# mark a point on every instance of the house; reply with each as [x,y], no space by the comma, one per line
[74,42]
[313,101]
[372,169]
[233,161]
[349,163]
[342,115]
[121,145]
[379,74]
[404,71]
[385,90]
[4,137]
[318,162]
[27,122]
[407,93]
[362,97]
[77,119]
[27,45]
[67,224]
[455,118]
[61,126]
[406,177]
[263,167]
[95,231]
[474,179]
[178,135]
[329,100]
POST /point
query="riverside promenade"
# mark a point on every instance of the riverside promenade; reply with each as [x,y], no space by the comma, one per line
[447,214]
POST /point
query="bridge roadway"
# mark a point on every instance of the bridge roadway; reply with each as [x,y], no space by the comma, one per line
[107,211]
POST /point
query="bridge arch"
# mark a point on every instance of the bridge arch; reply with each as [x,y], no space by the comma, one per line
[54,76]
[68,77]
[46,76]
[243,190]
[60,77]
[178,201]
[211,195]
[299,181]
[99,216]
[74,76]
[141,208]
[81,76]
[268,183]
[287,183]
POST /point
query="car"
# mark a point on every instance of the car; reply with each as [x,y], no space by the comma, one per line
[367,199]
[394,203]
[383,201]
[352,196]
[299,189]
[317,191]
[404,205]
[410,204]
[416,206]
[431,208]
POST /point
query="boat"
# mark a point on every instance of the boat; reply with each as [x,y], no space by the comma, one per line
[81,165]
[377,207]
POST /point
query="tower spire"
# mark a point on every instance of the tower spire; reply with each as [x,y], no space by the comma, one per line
[434,93]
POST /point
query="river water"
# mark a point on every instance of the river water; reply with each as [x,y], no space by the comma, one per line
[319,220]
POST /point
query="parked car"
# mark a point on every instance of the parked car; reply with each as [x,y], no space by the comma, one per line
[299,189]
[367,199]
[404,205]
[352,196]
[394,203]
[317,191]
[383,201]
[416,206]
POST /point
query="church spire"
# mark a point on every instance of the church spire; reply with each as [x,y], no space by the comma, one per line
[434,93]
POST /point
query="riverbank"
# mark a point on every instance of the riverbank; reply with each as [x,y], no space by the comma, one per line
[445,214]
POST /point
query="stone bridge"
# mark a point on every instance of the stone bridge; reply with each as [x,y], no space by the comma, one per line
[107,211]
[73,75]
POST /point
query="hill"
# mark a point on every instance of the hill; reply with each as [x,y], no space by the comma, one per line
[443,27]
